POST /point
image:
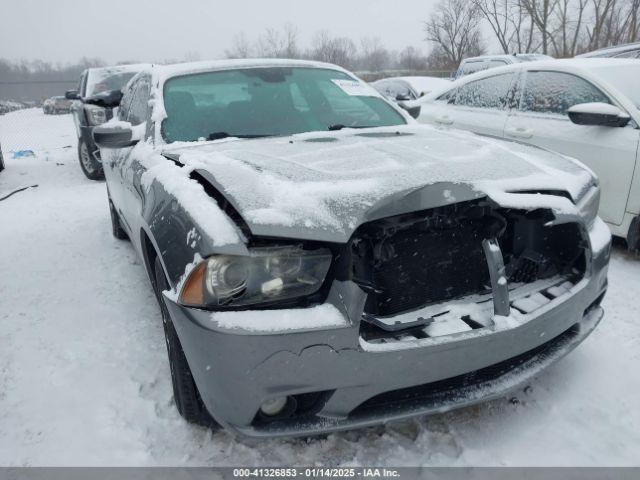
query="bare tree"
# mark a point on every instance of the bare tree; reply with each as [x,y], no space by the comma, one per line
[569,19]
[279,44]
[240,47]
[542,12]
[412,59]
[511,24]
[455,28]
[374,57]
[339,50]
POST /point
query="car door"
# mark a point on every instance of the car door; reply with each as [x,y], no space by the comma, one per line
[542,120]
[76,105]
[129,166]
[113,159]
[479,106]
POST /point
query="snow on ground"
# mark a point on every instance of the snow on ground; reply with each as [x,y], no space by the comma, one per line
[84,378]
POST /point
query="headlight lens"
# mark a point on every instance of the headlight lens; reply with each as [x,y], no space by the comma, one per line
[589,204]
[96,115]
[266,275]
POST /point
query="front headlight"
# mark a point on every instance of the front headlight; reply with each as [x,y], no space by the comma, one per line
[589,204]
[96,115]
[265,275]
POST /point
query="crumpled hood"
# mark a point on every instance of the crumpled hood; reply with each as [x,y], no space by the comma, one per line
[322,186]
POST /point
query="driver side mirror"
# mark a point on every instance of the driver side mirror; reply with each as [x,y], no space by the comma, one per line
[72,95]
[598,114]
[402,98]
[119,135]
[411,108]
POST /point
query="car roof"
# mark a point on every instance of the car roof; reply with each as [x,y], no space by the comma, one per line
[576,65]
[627,47]
[134,67]
[567,64]
[503,56]
[179,69]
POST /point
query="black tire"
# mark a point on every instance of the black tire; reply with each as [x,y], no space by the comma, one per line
[1,159]
[185,391]
[116,226]
[91,167]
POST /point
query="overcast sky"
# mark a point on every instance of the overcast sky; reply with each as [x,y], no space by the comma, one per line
[148,30]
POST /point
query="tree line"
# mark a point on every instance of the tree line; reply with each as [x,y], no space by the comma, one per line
[455,29]
[366,55]
[560,28]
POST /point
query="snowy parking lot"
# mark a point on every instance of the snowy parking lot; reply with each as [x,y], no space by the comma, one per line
[84,378]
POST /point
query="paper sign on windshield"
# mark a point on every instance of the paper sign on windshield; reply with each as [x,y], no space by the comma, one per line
[355,88]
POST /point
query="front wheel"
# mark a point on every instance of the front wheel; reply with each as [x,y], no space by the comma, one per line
[185,391]
[91,167]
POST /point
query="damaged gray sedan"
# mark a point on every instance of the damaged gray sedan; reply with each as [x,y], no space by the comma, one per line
[322,262]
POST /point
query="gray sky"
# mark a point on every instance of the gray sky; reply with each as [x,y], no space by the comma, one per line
[65,30]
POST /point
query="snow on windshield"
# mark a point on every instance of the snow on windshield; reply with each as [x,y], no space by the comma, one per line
[110,78]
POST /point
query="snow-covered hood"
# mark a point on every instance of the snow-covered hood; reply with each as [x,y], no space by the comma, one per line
[323,185]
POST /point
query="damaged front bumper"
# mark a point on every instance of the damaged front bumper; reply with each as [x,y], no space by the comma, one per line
[339,380]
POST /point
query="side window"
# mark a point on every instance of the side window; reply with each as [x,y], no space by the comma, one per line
[140,103]
[125,103]
[489,92]
[83,84]
[448,96]
[556,92]
[473,67]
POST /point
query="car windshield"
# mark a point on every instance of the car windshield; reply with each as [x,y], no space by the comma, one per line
[625,79]
[103,81]
[270,101]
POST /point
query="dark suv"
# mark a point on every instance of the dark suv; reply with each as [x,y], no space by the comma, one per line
[88,111]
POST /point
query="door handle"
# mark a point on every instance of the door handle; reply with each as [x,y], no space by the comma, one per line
[520,132]
[444,120]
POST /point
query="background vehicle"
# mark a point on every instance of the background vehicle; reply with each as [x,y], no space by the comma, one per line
[629,50]
[306,240]
[587,109]
[56,105]
[485,62]
[86,114]
[409,88]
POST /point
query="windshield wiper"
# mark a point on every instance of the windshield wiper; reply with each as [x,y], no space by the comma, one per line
[221,135]
[340,126]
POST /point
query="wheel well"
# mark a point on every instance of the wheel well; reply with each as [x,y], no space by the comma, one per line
[633,236]
[149,253]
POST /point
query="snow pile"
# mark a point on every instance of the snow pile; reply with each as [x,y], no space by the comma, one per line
[190,195]
[321,316]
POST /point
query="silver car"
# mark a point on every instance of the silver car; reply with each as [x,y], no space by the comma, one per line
[322,262]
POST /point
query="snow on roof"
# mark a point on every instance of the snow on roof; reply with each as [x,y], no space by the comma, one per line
[628,47]
[168,71]
[567,64]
